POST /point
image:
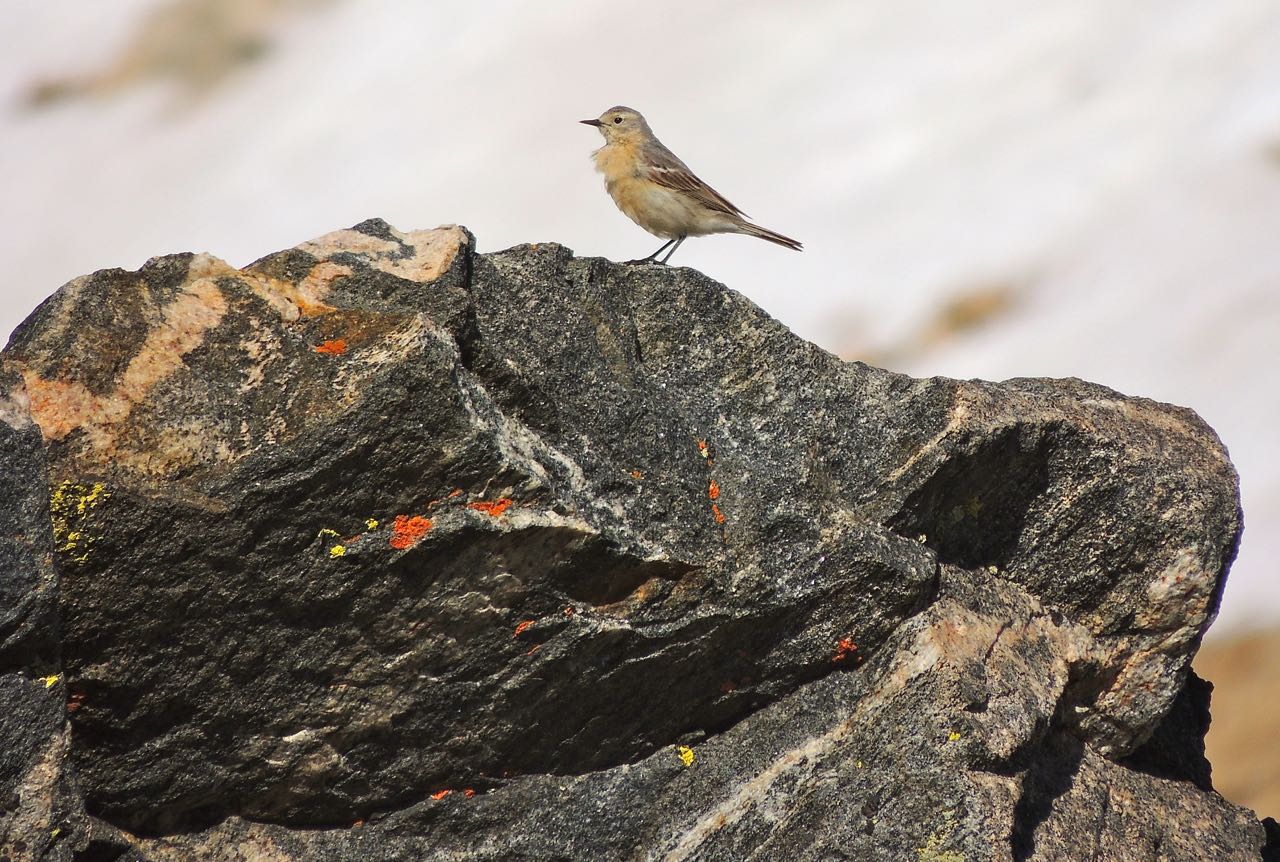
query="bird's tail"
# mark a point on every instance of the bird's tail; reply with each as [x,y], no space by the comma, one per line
[772,236]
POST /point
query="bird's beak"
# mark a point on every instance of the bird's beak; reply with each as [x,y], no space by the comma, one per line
[591,122]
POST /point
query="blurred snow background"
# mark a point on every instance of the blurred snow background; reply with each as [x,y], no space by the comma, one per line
[988,189]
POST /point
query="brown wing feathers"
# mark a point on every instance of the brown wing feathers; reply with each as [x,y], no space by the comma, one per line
[667,170]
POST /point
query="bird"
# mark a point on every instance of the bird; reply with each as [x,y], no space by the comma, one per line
[657,191]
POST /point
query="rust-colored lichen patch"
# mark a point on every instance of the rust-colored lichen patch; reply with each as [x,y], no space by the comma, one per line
[440,794]
[332,347]
[495,508]
[522,628]
[719,516]
[408,531]
[844,649]
[713,490]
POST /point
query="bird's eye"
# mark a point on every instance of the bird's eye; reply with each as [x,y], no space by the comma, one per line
[617,120]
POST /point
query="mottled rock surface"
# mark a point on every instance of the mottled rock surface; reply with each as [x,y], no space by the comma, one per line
[383,549]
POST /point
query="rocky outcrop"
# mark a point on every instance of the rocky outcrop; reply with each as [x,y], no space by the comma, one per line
[380,548]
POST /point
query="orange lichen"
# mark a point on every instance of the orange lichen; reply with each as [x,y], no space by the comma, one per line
[636,474]
[75,701]
[570,611]
[408,531]
[522,628]
[441,794]
[455,493]
[332,347]
[702,447]
[713,490]
[494,508]
[468,793]
[845,648]
[719,516]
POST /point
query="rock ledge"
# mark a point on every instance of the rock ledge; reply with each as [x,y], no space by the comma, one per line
[382,548]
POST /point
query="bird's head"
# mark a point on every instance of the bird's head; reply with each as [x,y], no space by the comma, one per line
[620,123]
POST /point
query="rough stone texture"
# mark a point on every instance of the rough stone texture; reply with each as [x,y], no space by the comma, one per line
[37,800]
[383,549]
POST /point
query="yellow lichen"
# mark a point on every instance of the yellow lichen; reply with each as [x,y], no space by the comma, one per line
[953,736]
[931,851]
[50,681]
[371,523]
[337,550]
[686,754]
[71,508]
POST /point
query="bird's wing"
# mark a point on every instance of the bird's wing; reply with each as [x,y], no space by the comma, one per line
[662,167]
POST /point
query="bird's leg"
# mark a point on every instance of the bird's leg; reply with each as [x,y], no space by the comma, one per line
[660,250]
[655,254]
[673,250]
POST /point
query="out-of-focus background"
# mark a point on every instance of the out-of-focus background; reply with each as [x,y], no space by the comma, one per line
[989,189]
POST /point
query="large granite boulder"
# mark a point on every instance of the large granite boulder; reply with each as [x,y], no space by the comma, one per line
[380,548]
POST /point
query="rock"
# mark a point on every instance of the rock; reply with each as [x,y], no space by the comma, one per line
[382,548]
[31,734]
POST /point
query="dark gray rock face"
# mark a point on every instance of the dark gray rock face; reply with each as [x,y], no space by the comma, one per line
[33,738]
[383,549]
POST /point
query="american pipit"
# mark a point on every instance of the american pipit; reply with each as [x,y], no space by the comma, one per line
[658,191]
